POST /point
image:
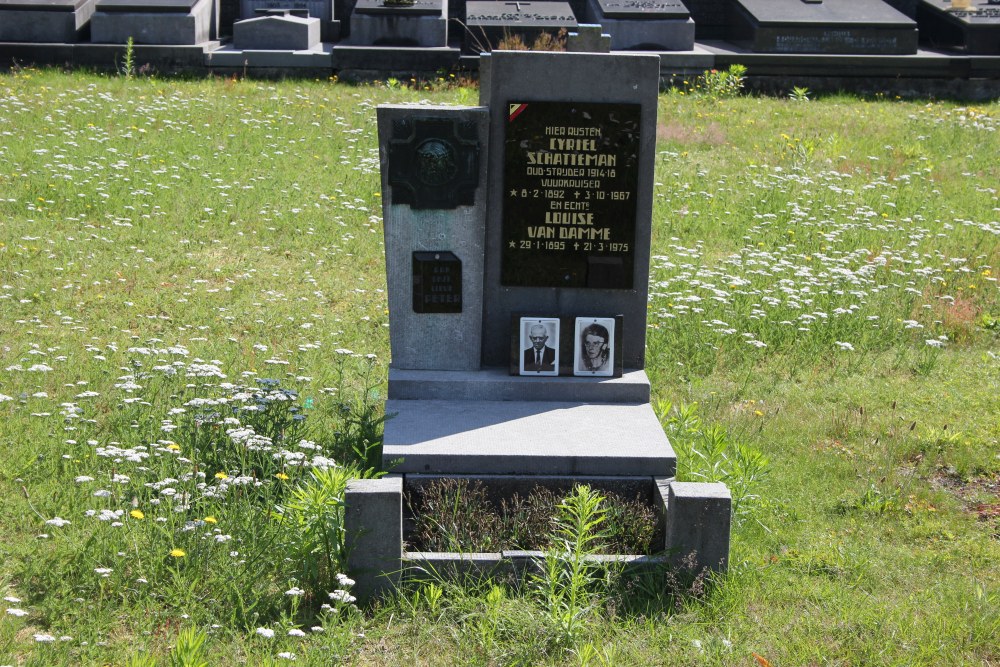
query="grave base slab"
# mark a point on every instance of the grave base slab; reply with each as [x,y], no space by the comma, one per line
[525,438]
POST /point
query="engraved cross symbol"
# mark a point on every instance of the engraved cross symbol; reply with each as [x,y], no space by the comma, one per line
[515,5]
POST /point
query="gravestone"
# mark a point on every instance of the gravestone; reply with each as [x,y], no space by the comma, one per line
[489,22]
[662,25]
[421,23]
[588,38]
[186,22]
[44,20]
[517,240]
[823,26]
[284,32]
[711,18]
[319,9]
[974,29]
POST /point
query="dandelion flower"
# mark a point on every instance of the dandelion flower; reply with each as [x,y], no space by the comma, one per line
[221,475]
[210,519]
[137,514]
[178,553]
[266,633]
[281,476]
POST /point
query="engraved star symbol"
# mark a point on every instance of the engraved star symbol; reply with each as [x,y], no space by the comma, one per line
[513,193]
[512,244]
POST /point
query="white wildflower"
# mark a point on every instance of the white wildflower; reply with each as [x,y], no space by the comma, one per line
[266,633]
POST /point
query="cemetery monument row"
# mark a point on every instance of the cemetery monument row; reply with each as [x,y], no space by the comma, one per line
[517,238]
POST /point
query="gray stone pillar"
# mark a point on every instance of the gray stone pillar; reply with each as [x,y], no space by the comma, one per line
[373,524]
[698,522]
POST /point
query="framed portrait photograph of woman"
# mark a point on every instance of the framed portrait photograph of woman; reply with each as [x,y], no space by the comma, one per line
[594,346]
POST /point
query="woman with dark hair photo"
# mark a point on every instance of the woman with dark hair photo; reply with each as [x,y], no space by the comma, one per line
[594,347]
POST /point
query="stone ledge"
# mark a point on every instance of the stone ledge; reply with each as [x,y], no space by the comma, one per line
[496,384]
[525,438]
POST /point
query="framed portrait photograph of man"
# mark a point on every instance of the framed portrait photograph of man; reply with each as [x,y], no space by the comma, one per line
[539,346]
[594,346]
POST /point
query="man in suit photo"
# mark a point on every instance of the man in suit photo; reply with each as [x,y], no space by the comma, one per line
[539,357]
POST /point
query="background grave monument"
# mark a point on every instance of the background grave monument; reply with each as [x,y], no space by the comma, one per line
[661,25]
[399,23]
[44,20]
[974,29]
[160,22]
[489,22]
[824,26]
[517,238]
[279,31]
[323,10]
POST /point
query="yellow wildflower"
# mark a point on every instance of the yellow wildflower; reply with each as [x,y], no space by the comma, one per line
[221,475]
[211,519]
[137,514]
[178,553]
[281,476]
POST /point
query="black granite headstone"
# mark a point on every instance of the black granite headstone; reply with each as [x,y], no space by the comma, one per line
[825,26]
[975,30]
[571,174]
[489,22]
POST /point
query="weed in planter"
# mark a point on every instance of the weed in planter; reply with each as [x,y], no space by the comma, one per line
[460,515]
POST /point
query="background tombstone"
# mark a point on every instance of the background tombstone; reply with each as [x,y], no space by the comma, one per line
[417,23]
[489,22]
[282,31]
[588,38]
[320,9]
[44,20]
[975,30]
[826,26]
[664,25]
[161,22]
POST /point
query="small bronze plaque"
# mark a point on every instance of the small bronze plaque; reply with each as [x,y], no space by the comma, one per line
[437,282]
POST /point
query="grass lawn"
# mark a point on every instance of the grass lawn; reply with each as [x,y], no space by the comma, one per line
[194,353]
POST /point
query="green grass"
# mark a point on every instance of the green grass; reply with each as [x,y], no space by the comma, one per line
[157,234]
